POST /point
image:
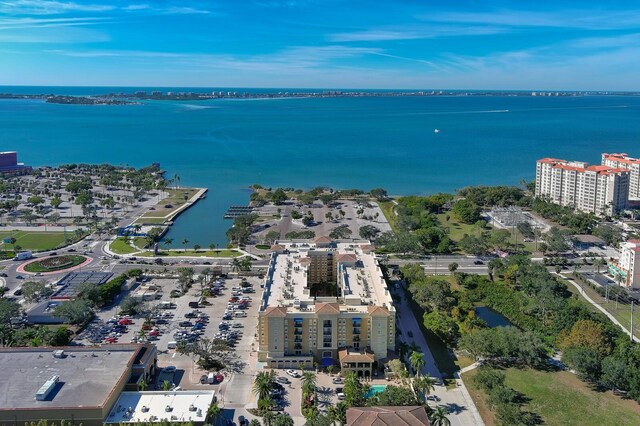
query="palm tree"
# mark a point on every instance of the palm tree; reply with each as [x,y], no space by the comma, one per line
[267,418]
[308,382]
[143,386]
[416,359]
[196,247]
[235,264]
[213,413]
[424,384]
[439,417]
[338,413]
[166,385]
[184,243]
[255,422]
[262,384]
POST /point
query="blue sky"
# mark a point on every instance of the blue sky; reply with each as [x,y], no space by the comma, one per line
[458,44]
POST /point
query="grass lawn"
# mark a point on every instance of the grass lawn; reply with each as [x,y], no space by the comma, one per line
[560,398]
[150,221]
[48,263]
[36,241]
[175,199]
[389,212]
[119,246]
[191,253]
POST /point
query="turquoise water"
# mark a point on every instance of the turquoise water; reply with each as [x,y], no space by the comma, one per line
[227,145]
[375,389]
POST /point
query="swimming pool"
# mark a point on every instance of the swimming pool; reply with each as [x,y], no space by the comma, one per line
[375,389]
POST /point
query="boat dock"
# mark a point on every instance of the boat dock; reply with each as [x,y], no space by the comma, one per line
[236,211]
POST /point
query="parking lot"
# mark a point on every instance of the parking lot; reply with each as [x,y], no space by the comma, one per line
[174,320]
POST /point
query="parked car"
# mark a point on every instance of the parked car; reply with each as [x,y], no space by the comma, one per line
[337,380]
[169,369]
[185,324]
[292,373]
[282,379]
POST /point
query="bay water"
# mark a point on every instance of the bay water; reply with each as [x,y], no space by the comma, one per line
[361,142]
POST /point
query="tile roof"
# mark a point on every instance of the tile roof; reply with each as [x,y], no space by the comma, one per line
[276,311]
[327,308]
[377,311]
[322,239]
[387,416]
[346,257]
[345,355]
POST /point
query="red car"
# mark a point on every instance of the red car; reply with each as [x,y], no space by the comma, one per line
[146,326]
[125,321]
[219,378]
[111,340]
[154,333]
[233,299]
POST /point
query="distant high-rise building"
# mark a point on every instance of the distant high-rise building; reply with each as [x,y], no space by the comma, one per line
[9,165]
[623,161]
[626,270]
[601,190]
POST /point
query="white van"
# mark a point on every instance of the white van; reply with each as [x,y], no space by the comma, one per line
[211,378]
[239,314]
[172,345]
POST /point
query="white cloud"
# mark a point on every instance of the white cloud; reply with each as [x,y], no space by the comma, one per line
[412,33]
[580,19]
[48,7]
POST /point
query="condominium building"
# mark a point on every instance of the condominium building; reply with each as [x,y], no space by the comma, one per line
[325,303]
[623,161]
[600,189]
[626,271]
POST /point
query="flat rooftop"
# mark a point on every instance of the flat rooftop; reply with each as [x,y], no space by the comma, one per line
[359,277]
[87,376]
[184,406]
[69,284]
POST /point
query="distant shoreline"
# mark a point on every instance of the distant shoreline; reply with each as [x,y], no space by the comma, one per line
[133,98]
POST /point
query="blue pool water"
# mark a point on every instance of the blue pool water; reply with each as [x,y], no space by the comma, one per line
[375,389]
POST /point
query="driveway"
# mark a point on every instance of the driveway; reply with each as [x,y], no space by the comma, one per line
[462,410]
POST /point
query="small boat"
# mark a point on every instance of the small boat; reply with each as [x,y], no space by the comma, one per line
[436,131]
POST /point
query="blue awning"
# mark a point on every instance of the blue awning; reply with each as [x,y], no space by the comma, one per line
[326,362]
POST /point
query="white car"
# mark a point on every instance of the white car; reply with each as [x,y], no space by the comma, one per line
[292,373]
[341,396]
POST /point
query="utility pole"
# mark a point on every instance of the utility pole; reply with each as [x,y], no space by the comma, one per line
[631,331]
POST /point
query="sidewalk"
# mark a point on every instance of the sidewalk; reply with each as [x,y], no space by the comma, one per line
[600,308]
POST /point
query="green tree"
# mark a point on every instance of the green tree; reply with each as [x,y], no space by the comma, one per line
[166,385]
[466,211]
[196,247]
[416,359]
[354,391]
[34,291]
[308,383]
[453,267]
[394,396]
[74,311]
[424,384]
[263,383]
[443,326]
[439,417]
[8,310]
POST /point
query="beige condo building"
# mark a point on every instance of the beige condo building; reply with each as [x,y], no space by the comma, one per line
[601,189]
[325,303]
[623,161]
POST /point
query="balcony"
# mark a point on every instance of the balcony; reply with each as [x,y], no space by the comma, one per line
[356,331]
[298,332]
[298,346]
[327,330]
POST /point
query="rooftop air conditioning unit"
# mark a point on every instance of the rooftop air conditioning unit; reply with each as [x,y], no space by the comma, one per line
[145,409]
[192,407]
[168,409]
